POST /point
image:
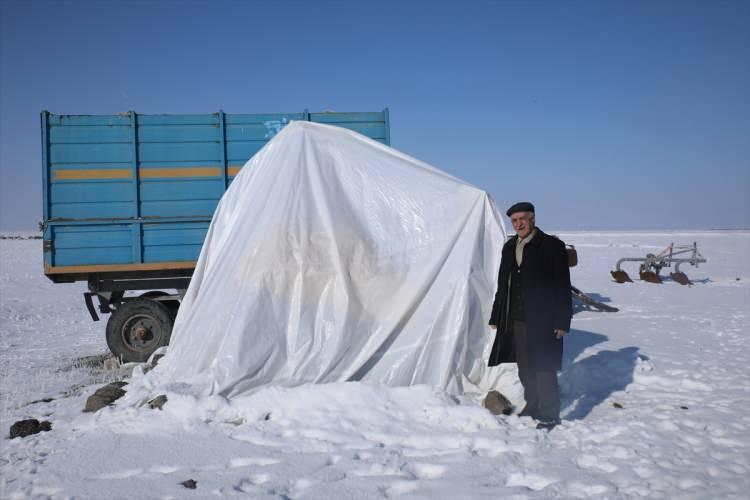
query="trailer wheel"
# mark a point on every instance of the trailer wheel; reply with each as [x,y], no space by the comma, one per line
[172,305]
[137,328]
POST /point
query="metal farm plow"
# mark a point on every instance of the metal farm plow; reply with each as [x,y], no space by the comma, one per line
[652,264]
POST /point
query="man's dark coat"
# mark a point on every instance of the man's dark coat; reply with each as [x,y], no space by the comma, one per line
[546,297]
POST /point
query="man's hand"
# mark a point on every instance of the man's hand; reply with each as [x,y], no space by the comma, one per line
[494,327]
[559,333]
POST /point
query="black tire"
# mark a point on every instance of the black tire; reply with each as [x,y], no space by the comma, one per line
[172,305]
[137,328]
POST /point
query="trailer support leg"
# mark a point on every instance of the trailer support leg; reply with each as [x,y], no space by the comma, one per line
[90,305]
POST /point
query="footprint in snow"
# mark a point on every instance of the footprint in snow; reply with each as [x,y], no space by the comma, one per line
[248,461]
[619,452]
[45,491]
[247,486]
[426,471]
[401,487]
[121,474]
[728,442]
[164,469]
[687,483]
[376,470]
[645,472]
[694,442]
[738,468]
[578,489]
[251,483]
[595,463]
[258,440]
[363,455]
[302,484]
[259,478]
[713,471]
[531,481]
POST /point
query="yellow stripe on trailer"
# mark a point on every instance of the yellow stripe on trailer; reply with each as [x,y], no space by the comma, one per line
[144,173]
[85,174]
[171,173]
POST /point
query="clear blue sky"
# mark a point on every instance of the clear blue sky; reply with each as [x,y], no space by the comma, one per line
[607,115]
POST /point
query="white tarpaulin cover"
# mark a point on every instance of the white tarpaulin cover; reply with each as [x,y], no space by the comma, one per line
[335,258]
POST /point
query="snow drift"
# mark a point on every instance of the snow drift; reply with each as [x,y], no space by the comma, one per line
[335,258]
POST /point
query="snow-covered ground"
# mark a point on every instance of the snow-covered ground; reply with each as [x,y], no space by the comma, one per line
[675,359]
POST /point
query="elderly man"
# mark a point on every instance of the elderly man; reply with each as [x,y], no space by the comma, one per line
[532,312]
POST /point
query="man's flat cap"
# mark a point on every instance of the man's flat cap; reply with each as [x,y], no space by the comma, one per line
[523,206]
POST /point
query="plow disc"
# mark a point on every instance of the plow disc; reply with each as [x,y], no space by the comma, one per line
[681,278]
[650,276]
[621,277]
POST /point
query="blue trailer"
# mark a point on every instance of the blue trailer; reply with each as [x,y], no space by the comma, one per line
[128,199]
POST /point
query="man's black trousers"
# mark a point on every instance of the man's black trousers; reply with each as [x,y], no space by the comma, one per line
[540,388]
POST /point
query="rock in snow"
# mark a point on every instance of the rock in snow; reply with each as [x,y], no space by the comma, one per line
[104,396]
[158,402]
[498,404]
[24,428]
[190,484]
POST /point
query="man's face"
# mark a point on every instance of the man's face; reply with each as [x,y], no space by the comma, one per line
[523,223]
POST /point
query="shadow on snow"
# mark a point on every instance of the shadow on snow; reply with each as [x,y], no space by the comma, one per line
[587,382]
